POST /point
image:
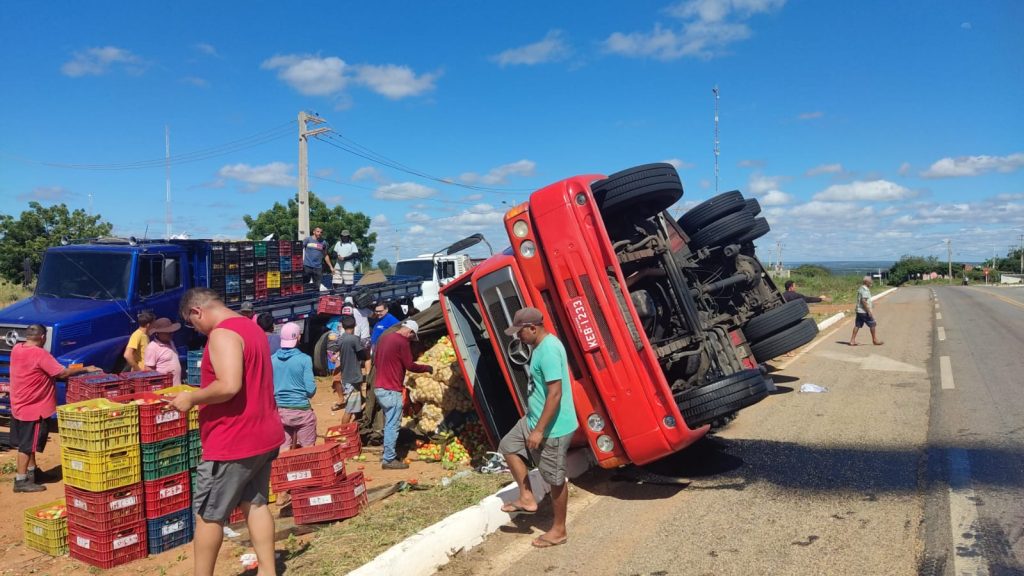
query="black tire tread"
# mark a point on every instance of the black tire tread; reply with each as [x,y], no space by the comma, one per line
[710,210]
[700,406]
[785,341]
[728,227]
[759,229]
[775,320]
[753,206]
[320,355]
[648,188]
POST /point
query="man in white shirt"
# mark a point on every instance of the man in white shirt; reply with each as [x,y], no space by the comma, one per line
[347,255]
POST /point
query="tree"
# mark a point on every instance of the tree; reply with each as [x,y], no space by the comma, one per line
[39,228]
[811,270]
[385,266]
[283,222]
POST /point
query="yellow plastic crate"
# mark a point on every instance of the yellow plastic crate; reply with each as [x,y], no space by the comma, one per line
[98,424]
[97,471]
[46,535]
[273,279]
[193,414]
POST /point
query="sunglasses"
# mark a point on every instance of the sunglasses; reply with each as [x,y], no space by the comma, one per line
[187,320]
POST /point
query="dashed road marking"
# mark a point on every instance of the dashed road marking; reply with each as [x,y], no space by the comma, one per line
[942,334]
[946,373]
[968,555]
[938,315]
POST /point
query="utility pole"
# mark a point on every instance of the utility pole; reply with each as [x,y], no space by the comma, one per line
[167,180]
[1021,238]
[398,250]
[715,91]
[304,134]
[949,259]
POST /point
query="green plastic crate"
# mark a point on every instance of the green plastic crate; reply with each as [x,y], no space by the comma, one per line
[162,459]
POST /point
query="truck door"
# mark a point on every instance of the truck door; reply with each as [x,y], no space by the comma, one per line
[158,287]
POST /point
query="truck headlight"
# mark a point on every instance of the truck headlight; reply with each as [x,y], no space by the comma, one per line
[595,423]
[520,229]
[604,443]
[528,249]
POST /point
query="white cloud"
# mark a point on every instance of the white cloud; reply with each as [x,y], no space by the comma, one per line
[551,49]
[333,200]
[679,164]
[324,172]
[403,191]
[759,183]
[817,209]
[875,190]
[380,221]
[500,174]
[369,173]
[775,198]
[55,194]
[750,163]
[98,61]
[196,81]
[310,75]
[708,27]
[473,197]
[481,209]
[810,115]
[395,82]
[417,217]
[826,169]
[974,165]
[904,169]
[274,174]
[705,183]
[417,229]
[206,48]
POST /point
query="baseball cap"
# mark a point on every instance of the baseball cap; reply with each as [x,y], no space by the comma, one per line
[246,306]
[525,317]
[412,325]
[345,233]
[290,334]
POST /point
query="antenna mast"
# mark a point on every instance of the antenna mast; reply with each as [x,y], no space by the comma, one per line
[715,92]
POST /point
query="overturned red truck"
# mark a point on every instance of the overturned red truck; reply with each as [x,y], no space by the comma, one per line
[666,323]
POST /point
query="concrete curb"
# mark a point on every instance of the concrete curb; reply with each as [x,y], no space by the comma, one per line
[831,320]
[423,553]
[881,294]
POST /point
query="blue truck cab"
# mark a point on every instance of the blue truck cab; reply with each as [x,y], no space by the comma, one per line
[88,296]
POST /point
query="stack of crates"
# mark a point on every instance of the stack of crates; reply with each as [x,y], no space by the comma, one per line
[165,471]
[297,252]
[195,449]
[248,270]
[46,528]
[218,269]
[273,269]
[146,381]
[260,268]
[100,461]
[193,372]
[320,489]
[330,305]
[233,275]
[346,436]
[96,385]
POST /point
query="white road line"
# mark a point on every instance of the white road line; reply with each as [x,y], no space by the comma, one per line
[968,556]
[942,334]
[936,305]
[946,373]
[938,315]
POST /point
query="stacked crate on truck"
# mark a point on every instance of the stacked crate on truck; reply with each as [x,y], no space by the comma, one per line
[273,269]
[233,278]
[102,472]
[260,268]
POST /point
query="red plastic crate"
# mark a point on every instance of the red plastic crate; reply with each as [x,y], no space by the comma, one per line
[318,465]
[342,500]
[284,248]
[156,423]
[296,261]
[100,512]
[236,516]
[346,436]
[90,386]
[147,381]
[167,495]
[108,549]
[330,305]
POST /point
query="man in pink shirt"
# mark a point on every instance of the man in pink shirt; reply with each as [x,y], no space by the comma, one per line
[239,427]
[161,355]
[33,401]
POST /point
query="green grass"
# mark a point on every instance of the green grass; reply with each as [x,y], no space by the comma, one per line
[842,289]
[10,292]
[345,546]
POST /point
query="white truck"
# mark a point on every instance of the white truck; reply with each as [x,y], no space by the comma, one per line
[439,268]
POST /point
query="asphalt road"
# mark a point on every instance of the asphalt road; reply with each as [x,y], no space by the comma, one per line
[894,470]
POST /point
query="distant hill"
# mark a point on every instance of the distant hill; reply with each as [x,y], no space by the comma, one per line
[845,267]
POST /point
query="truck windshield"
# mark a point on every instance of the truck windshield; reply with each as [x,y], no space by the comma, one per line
[89,275]
[421,268]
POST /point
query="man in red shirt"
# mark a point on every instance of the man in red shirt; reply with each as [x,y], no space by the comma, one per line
[33,401]
[239,426]
[393,357]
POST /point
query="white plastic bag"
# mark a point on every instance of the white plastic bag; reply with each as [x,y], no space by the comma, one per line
[814,388]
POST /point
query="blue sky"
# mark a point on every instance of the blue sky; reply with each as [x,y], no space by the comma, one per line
[867,129]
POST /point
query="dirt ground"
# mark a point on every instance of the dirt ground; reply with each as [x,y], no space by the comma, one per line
[18,560]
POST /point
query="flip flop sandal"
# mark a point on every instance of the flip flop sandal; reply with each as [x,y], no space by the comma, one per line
[542,542]
[516,510]
[336,407]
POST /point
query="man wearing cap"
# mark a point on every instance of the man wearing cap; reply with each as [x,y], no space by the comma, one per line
[544,433]
[161,354]
[347,254]
[294,386]
[314,254]
[393,358]
[33,401]
[246,309]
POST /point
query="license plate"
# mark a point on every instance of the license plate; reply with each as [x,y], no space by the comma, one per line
[583,322]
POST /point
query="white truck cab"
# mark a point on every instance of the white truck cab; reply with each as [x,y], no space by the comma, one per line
[439,268]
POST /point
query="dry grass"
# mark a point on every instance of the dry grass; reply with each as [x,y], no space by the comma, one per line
[342,547]
[10,292]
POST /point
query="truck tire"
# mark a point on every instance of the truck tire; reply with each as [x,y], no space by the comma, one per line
[704,405]
[775,320]
[723,230]
[759,229]
[710,210]
[753,206]
[320,356]
[789,339]
[643,190]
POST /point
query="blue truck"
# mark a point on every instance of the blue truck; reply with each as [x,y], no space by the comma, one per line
[88,295]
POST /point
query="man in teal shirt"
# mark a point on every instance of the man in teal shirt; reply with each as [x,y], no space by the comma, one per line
[543,435]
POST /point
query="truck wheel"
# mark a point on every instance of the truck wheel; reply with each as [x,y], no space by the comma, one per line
[723,230]
[760,229]
[706,404]
[711,210]
[785,341]
[775,320]
[753,206]
[642,190]
[320,356]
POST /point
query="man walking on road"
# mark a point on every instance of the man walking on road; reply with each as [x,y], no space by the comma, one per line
[543,435]
[393,358]
[239,427]
[865,313]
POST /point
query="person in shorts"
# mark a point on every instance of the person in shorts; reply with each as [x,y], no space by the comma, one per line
[544,433]
[239,427]
[865,313]
[352,357]
[294,387]
[33,400]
